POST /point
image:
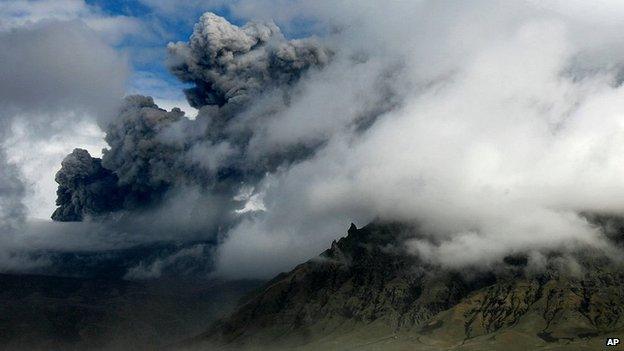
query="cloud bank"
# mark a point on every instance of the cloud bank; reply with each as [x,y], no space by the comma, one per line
[56,74]
[52,75]
[506,123]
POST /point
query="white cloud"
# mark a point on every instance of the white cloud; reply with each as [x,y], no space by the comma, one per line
[508,124]
[20,13]
[58,77]
[39,168]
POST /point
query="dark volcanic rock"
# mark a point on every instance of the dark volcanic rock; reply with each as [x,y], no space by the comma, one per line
[57,313]
[367,289]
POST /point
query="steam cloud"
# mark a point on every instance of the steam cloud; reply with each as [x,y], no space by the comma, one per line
[12,191]
[50,78]
[493,125]
[42,78]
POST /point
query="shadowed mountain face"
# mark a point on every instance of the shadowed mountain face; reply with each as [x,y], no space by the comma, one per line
[54,313]
[366,292]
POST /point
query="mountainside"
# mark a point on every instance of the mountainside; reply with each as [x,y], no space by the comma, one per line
[57,313]
[367,293]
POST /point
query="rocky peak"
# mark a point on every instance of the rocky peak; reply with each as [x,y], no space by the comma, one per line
[366,279]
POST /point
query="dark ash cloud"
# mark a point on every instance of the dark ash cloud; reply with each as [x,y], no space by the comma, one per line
[152,151]
[230,65]
[85,188]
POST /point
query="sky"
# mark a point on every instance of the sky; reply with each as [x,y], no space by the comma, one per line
[493,124]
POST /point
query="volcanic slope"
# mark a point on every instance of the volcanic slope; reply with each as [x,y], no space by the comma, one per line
[39,312]
[367,293]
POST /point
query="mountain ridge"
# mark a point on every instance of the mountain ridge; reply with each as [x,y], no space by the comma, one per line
[366,291]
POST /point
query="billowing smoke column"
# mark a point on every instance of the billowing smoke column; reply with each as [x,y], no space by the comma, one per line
[85,187]
[152,151]
[493,124]
[229,65]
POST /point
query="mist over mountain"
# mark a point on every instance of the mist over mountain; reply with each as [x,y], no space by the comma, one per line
[367,292]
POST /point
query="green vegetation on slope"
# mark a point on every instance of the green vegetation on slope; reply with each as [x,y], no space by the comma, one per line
[367,293]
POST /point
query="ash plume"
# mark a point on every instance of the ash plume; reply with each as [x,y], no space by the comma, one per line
[85,188]
[493,125]
[230,65]
[152,151]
